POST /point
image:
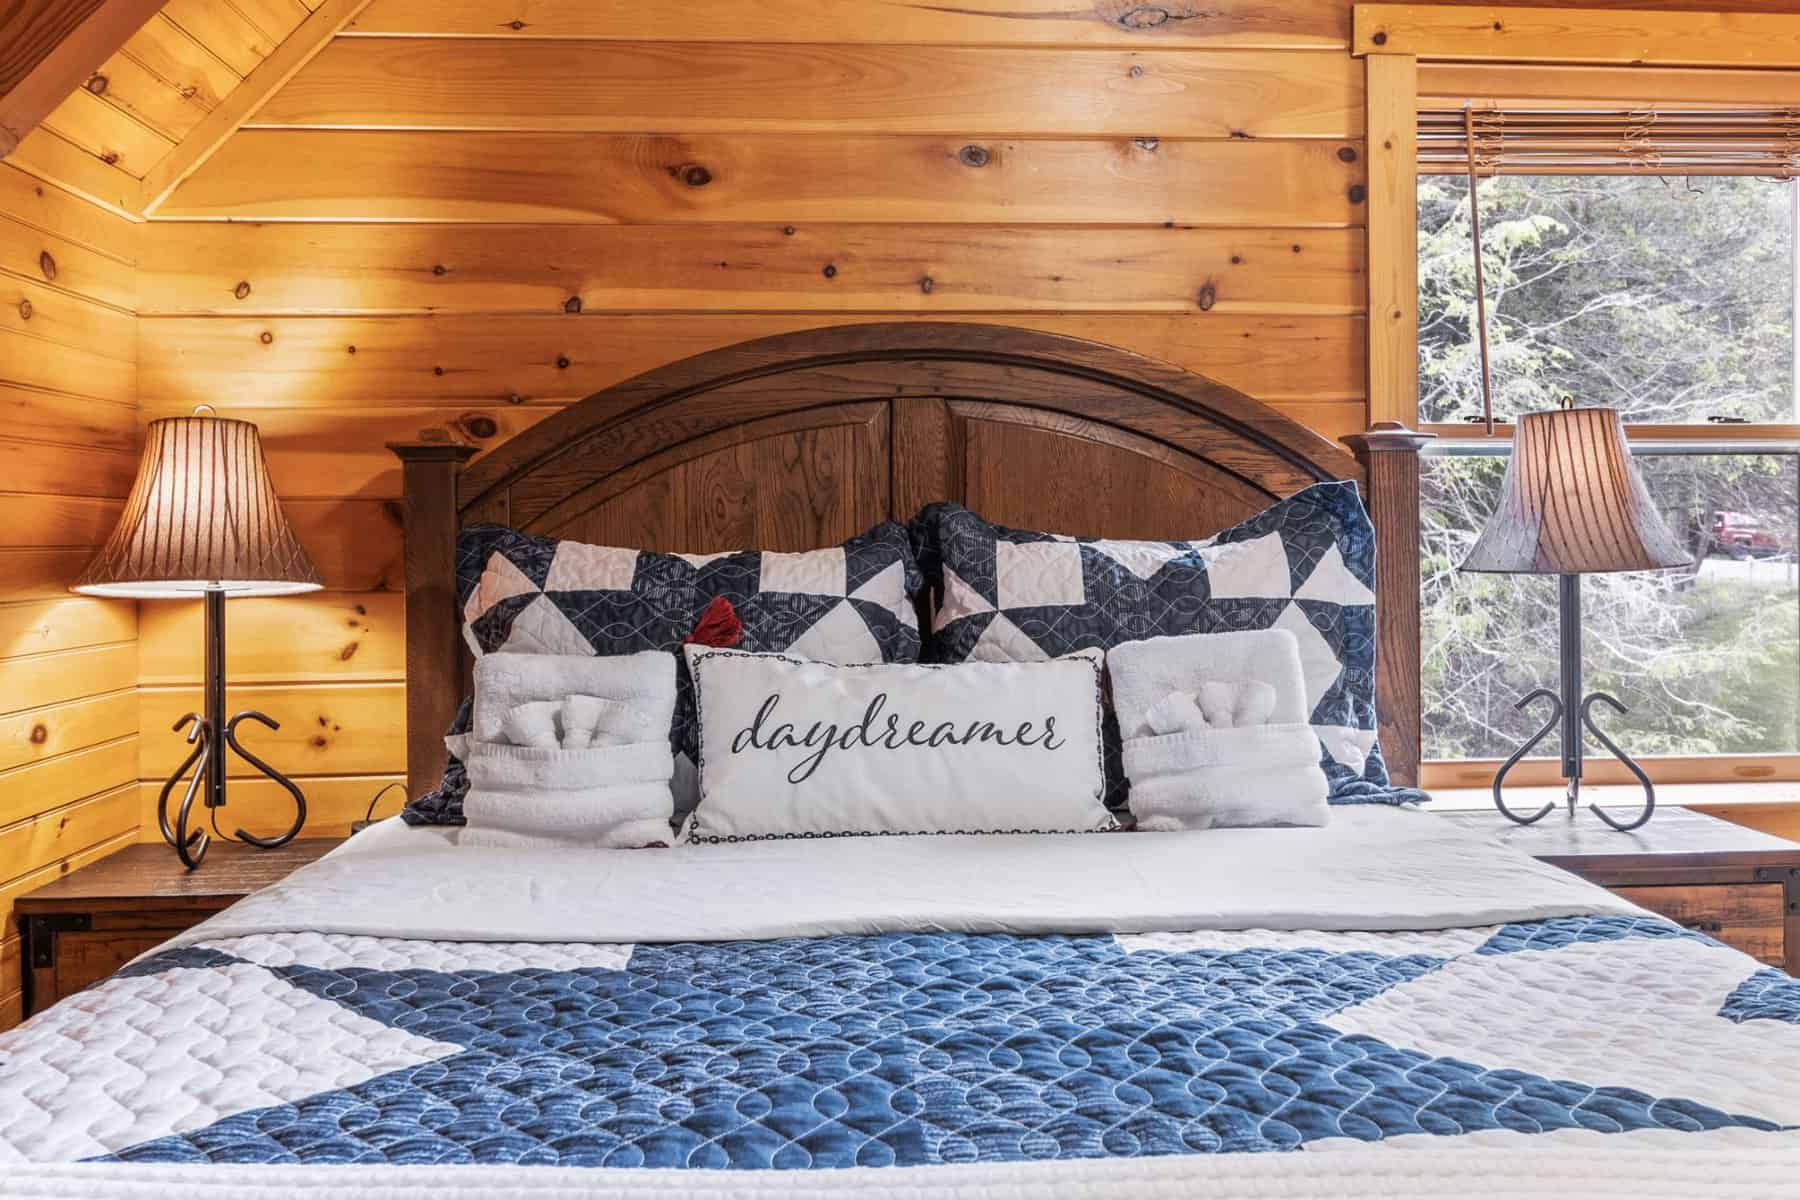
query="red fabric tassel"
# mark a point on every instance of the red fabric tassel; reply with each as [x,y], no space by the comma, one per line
[719,626]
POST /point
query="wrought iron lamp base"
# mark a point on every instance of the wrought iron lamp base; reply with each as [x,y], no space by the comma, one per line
[1574,713]
[211,735]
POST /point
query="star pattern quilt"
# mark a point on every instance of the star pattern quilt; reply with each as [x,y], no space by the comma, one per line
[909,1049]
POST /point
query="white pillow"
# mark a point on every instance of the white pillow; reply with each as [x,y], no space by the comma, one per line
[790,748]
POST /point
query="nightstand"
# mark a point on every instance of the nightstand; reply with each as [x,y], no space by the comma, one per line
[88,924]
[1733,883]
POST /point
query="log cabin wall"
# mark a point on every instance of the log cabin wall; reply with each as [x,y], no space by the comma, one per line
[463,214]
[446,220]
[68,664]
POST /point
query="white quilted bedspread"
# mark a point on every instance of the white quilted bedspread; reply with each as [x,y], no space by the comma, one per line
[1383,1008]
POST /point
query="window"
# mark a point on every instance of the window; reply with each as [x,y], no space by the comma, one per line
[1671,299]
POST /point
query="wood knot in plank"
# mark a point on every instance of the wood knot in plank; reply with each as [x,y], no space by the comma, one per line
[40,733]
[97,84]
[926,284]
[562,362]
[1346,153]
[242,290]
[692,174]
[1356,193]
[787,231]
[973,156]
[266,338]
[47,264]
[440,269]
[1144,16]
[830,271]
[1207,296]
[572,304]
[25,310]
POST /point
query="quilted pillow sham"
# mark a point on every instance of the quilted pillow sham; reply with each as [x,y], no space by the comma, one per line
[796,749]
[525,594]
[1305,564]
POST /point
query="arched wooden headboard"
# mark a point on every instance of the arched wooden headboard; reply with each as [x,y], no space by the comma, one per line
[801,440]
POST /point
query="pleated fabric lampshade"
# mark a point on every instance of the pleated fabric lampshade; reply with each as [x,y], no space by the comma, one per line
[202,516]
[1573,503]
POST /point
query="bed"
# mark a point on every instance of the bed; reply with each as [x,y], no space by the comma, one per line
[1382,1007]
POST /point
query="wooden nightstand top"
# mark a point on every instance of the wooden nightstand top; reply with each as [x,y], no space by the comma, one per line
[150,871]
[1675,840]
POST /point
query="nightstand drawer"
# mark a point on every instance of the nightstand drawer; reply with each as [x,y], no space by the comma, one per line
[1747,916]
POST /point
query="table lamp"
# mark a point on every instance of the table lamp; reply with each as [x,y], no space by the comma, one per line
[203,520]
[1573,504]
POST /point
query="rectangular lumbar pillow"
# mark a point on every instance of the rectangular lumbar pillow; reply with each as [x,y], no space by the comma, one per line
[790,748]
[1215,731]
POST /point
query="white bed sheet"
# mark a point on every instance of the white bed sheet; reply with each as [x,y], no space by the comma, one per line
[1373,868]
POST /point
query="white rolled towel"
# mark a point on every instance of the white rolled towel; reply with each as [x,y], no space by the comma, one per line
[1217,705]
[533,723]
[599,721]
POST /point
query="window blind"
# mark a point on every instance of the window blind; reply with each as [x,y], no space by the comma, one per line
[1582,141]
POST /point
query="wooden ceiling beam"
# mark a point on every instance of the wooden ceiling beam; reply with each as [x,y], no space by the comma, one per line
[49,48]
[295,51]
[1502,33]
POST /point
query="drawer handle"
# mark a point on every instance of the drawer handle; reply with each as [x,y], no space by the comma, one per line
[1704,926]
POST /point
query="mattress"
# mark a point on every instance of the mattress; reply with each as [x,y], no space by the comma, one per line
[1384,1007]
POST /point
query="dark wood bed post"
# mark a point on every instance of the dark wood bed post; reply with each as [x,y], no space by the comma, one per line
[1389,453]
[433,640]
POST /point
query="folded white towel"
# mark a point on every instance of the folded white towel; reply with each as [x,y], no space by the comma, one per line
[504,681]
[1144,673]
[1260,775]
[1215,731]
[571,751]
[601,796]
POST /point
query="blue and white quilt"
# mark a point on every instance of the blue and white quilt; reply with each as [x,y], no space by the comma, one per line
[962,1035]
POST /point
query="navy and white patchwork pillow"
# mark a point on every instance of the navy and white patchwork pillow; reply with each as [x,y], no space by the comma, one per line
[523,593]
[1305,564]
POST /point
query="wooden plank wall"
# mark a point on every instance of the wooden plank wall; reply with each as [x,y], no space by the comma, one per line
[464,214]
[153,92]
[68,665]
[467,214]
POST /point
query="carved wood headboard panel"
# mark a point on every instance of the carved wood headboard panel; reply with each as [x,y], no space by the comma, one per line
[800,441]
